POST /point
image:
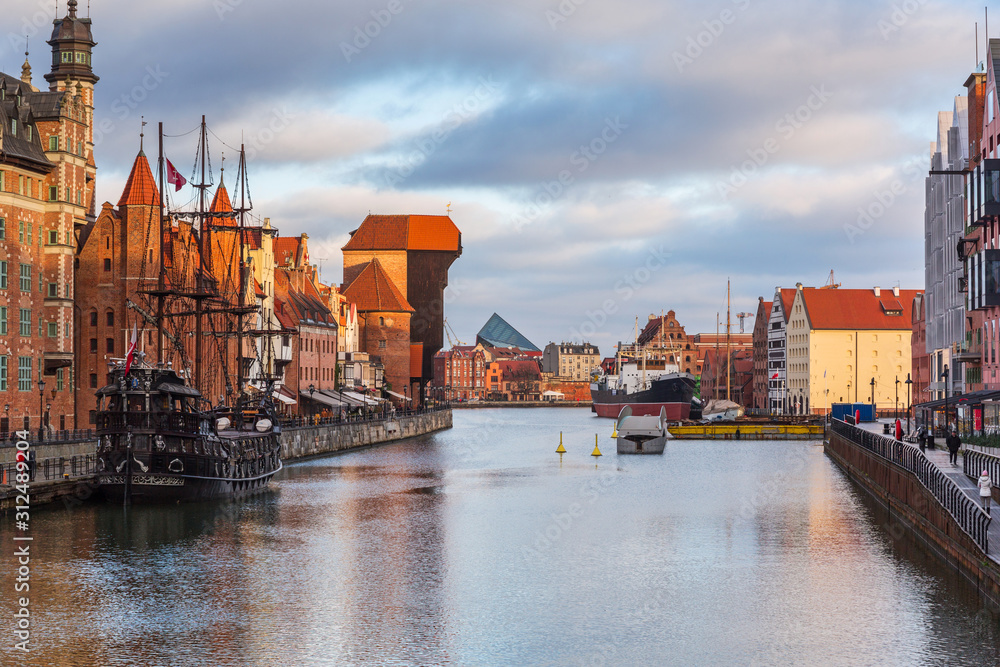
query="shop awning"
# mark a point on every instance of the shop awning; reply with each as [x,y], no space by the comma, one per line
[392,393]
[320,397]
[361,399]
[282,395]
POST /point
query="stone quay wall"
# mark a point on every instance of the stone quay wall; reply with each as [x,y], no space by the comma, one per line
[308,441]
[911,505]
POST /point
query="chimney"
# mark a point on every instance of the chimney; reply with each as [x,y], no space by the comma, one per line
[895,291]
[878,292]
[798,286]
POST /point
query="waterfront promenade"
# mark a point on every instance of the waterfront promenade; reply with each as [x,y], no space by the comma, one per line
[956,473]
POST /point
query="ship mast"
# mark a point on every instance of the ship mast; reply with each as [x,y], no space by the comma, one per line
[160,281]
[729,358]
[203,245]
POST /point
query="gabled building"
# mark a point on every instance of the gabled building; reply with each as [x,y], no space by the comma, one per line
[570,361]
[760,374]
[47,179]
[777,379]
[845,345]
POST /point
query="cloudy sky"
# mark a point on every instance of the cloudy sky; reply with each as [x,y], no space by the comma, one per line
[604,160]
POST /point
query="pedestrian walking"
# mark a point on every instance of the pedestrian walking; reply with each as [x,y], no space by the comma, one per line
[986,490]
[899,430]
[953,442]
[922,438]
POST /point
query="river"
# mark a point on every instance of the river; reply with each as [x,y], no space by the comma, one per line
[478,546]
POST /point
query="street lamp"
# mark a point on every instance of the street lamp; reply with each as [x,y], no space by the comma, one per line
[909,406]
[896,412]
[312,388]
[41,400]
[944,376]
[874,414]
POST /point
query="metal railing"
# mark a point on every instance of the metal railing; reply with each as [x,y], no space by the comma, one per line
[357,417]
[967,513]
[52,469]
[974,463]
[10,438]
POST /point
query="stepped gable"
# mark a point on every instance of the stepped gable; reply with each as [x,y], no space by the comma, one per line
[374,291]
[406,232]
[140,189]
[498,333]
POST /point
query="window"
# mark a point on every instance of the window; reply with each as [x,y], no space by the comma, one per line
[24,322]
[25,277]
[53,143]
[93,345]
[93,318]
[107,263]
[20,231]
[24,374]
[30,230]
[3,320]
[53,237]
[27,131]
[111,318]
[3,228]
[3,275]
[41,282]
[59,379]
[53,329]
[111,345]
[93,380]
[41,326]
[3,373]
[381,344]
[381,321]
[13,127]
[53,193]
[53,289]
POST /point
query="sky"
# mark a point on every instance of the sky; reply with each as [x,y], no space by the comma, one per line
[605,161]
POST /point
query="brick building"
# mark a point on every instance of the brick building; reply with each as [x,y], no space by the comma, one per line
[47,178]
[414,254]
[760,352]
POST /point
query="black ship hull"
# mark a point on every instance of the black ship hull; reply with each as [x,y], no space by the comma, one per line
[152,488]
[672,392]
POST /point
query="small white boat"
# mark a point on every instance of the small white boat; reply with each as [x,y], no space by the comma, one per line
[641,435]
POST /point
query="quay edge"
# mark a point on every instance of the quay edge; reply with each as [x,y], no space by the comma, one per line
[296,444]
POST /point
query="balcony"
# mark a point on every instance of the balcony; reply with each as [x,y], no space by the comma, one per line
[967,351]
[982,193]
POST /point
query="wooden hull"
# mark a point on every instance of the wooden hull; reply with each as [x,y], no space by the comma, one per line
[170,488]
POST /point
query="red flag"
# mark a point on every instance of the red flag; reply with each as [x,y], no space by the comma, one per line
[775,376]
[131,351]
[174,177]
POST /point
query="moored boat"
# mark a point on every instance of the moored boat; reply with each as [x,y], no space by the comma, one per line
[641,434]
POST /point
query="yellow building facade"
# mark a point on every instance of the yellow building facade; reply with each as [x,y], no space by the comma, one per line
[845,345]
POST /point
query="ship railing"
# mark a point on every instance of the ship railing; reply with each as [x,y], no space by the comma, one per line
[10,438]
[183,422]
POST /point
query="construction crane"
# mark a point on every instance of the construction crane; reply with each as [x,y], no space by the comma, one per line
[449,332]
[830,282]
[742,316]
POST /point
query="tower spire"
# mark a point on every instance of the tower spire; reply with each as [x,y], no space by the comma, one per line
[71,5]
[26,68]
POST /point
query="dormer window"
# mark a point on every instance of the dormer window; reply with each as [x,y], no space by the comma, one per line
[13,126]
[27,131]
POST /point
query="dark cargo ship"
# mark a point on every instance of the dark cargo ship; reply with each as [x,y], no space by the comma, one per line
[672,391]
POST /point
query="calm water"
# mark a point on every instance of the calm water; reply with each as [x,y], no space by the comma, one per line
[475,546]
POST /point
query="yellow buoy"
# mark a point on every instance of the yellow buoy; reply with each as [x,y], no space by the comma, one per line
[561,449]
[597,450]
[614,430]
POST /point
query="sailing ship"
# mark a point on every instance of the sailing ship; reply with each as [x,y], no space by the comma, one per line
[160,435]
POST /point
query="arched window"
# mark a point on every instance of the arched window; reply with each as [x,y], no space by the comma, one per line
[381,321]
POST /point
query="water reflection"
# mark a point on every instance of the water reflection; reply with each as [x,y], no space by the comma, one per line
[476,547]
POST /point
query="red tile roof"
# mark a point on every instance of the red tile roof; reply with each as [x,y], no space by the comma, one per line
[286,249]
[858,309]
[140,189]
[787,297]
[374,291]
[222,204]
[406,232]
